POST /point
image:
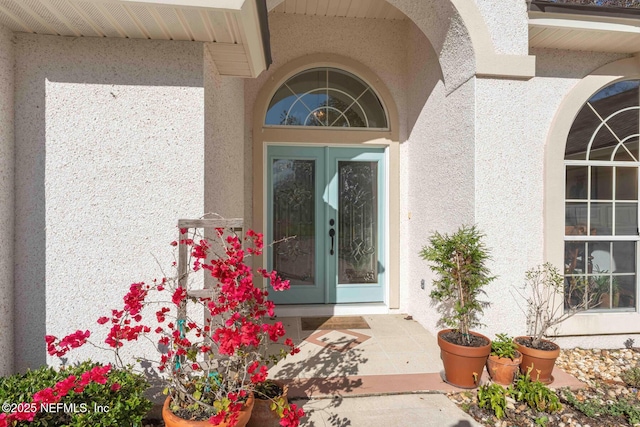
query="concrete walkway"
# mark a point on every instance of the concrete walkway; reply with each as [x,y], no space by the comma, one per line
[423,410]
[389,374]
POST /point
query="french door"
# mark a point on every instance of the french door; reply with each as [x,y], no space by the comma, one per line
[326,219]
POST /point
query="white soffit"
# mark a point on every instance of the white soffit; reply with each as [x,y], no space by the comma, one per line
[231,27]
[372,9]
[581,32]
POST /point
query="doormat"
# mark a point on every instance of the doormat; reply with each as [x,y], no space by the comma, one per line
[333,323]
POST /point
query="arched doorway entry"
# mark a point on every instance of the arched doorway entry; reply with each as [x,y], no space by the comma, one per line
[325,161]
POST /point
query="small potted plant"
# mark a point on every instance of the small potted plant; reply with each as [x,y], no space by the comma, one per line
[270,400]
[460,259]
[546,308]
[504,360]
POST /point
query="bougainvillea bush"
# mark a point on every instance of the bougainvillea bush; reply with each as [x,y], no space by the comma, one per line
[210,363]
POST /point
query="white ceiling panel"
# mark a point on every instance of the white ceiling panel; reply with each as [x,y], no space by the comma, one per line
[364,9]
[593,32]
[228,22]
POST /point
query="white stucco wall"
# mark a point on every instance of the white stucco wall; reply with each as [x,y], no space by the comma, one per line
[438,169]
[509,199]
[7,199]
[508,25]
[224,147]
[109,137]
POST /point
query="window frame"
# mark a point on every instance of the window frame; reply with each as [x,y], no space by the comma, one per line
[577,94]
[327,88]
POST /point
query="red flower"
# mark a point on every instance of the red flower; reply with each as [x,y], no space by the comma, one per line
[179,295]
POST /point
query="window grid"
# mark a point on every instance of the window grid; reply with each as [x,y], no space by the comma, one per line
[347,104]
[612,212]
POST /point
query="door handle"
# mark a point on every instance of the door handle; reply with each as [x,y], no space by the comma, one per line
[332,234]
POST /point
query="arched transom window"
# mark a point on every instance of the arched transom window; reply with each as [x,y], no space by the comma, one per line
[326,97]
[602,159]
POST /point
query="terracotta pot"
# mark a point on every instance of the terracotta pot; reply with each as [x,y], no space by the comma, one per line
[262,415]
[541,361]
[172,420]
[503,370]
[463,365]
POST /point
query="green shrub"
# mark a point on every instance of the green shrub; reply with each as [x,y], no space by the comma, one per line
[495,397]
[535,394]
[113,408]
[631,376]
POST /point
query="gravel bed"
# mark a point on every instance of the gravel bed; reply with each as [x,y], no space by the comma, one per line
[599,369]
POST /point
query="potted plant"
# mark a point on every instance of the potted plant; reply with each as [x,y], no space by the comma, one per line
[543,292]
[460,260]
[504,360]
[212,343]
[270,400]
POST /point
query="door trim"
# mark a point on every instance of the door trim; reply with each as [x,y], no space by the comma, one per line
[327,287]
[389,139]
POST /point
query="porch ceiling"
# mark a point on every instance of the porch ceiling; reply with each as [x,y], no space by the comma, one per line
[372,9]
[232,27]
[586,28]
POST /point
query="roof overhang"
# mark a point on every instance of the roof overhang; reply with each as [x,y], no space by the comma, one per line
[587,28]
[236,31]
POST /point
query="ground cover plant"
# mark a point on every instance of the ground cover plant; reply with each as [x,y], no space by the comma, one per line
[608,399]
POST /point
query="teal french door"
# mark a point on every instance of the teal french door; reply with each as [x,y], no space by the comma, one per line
[326,219]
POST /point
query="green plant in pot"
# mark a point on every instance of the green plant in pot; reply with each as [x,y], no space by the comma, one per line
[504,360]
[549,302]
[271,397]
[459,259]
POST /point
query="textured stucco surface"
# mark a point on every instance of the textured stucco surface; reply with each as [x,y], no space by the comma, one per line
[509,166]
[439,159]
[109,137]
[224,143]
[7,168]
[448,35]
[438,19]
[507,23]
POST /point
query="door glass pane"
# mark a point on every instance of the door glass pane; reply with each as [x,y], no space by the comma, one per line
[294,220]
[357,222]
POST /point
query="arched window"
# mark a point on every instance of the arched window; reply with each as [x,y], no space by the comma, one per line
[602,159]
[326,97]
